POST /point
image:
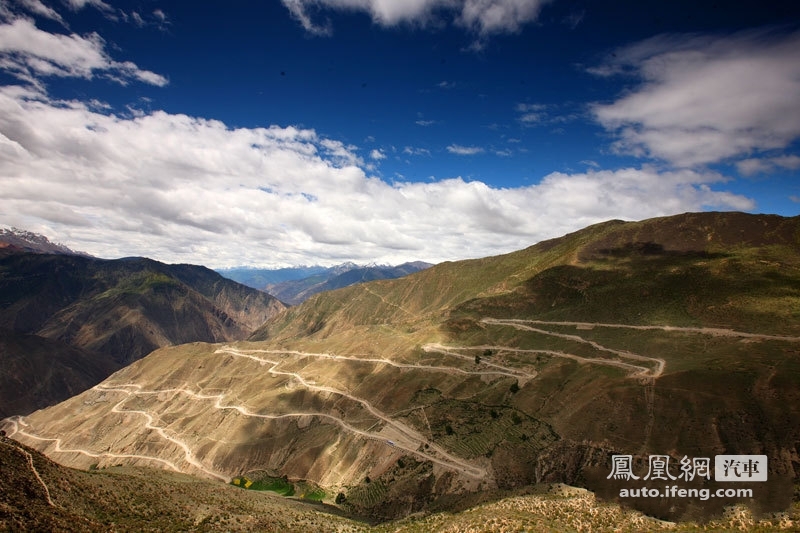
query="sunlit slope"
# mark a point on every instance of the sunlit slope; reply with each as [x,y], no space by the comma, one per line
[696,268]
[726,270]
[672,336]
[39,495]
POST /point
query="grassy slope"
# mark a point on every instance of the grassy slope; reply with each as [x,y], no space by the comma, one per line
[131,499]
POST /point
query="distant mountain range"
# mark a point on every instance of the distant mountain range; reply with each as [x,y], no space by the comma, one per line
[14,239]
[295,285]
[67,321]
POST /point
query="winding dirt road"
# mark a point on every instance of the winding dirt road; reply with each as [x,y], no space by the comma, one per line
[716,332]
[404,437]
[660,364]
[504,371]
[20,421]
[435,453]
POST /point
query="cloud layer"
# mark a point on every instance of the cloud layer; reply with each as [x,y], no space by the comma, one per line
[706,99]
[186,189]
[483,17]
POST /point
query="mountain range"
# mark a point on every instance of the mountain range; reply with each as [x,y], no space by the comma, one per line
[67,321]
[471,381]
[14,239]
[295,285]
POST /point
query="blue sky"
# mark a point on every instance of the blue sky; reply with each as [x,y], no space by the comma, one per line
[293,132]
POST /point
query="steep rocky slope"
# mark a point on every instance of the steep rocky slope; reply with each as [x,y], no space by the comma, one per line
[97,315]
[37,372]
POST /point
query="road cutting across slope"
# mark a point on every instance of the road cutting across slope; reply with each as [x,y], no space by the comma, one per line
[440,456]
[505,370]
[20,421]
[660,364]
[502,370]
[716,332]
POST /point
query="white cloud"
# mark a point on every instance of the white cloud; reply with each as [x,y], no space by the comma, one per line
[498,16]
[185,189]
[425,123]
[541,114]
[464,150]
[298,9]
[749,167]
[530,118]
[412,150]
[531,114]
[483,17]
[377,155]
[28,53]
[38,8]
[77,5]
[705,99]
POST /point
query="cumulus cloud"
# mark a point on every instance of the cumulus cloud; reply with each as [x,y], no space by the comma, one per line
[483,17]
[188,189]
[704,99]
[377,155]
[29,53]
